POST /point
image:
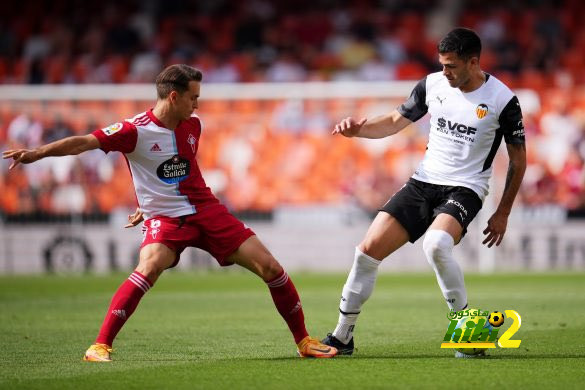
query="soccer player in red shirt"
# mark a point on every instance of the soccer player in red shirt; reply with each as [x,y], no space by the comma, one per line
[178,208]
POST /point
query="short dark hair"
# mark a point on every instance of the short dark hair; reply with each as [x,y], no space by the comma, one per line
[463,41]
[176,78]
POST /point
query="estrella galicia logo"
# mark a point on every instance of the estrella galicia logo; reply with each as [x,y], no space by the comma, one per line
[481,111]
[174,170]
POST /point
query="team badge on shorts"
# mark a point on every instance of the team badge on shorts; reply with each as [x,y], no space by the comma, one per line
[154,228]
[111,129]
[481,111]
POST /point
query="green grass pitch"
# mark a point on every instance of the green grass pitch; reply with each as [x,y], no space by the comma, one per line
[219,330]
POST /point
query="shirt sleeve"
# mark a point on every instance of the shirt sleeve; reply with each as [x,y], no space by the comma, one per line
[119,137]
[511,122]
[415,107]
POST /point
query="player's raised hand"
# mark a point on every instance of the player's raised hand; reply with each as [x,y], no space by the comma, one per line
[23,156]
[495,229]
[349,127]
[135,219]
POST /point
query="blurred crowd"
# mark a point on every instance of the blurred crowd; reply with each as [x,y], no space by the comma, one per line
[533,44]
[259,154]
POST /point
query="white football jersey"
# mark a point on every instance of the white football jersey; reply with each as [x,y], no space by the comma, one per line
[466,130]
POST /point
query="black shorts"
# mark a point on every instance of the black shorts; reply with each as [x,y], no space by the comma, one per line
[417,204]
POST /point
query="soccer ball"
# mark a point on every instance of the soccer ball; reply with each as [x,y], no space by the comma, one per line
[496,319]
[463,325]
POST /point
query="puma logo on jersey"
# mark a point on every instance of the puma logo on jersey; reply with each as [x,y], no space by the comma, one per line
[460,127]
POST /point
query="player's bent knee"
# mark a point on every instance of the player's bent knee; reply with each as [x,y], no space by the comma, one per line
[154,259]
[437,244]
[371,248]
[269,267]
[253,256]
[153,265]
[150,268]
[431,249]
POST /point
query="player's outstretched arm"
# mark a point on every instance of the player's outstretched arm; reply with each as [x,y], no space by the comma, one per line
[377,127]
[516,168]
[65,147]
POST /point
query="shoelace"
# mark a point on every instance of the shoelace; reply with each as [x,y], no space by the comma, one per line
[314,343]
[330,335]
[102,350]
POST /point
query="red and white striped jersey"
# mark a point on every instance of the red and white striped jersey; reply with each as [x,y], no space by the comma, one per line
[166,176]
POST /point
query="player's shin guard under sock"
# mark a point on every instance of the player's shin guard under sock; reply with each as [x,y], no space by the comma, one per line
[357,289]
[123,304]
[438,248]
[287,302]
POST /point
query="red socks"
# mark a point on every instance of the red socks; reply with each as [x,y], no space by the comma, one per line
[287,302]
[123,304]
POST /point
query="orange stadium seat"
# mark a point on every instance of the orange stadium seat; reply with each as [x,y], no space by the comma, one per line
[574,62]
[3,69]
[214,107]
[9,202]
[20,71]
[125,109]
[535,80]
[246,107]
[118,67]
[410,71]
[56,70]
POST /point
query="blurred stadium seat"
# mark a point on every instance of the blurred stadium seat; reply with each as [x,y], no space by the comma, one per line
[277,151]
[69,67]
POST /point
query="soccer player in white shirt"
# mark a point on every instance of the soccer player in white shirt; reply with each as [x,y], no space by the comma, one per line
[470,112]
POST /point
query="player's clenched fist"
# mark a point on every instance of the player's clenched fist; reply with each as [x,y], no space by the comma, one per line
[349,127]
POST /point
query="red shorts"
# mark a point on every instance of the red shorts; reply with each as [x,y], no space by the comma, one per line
[212,229]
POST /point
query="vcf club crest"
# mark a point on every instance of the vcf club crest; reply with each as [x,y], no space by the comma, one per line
[481,110]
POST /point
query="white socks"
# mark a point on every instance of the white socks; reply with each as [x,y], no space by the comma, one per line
[357,289]
[438,248]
